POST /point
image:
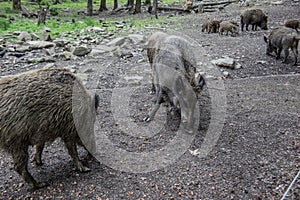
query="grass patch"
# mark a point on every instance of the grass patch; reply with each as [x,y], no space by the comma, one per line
[66,18]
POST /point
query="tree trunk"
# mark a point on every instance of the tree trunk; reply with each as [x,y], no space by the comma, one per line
[42,15]
[138,5]
[154,9]
[130,6]
[103,5]
[17,5]
[90,7]
[115,4]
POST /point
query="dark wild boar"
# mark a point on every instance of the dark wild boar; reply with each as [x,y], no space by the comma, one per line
[175,78]
[228,27]
[255,17]
[282,39]
[39,106]
[213,26]
[292,23]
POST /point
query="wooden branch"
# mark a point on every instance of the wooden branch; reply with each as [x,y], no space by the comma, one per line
[174,9]
[214,3]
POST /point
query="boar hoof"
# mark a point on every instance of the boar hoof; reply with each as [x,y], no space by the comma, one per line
[37,162]
[84,169]
[37,186]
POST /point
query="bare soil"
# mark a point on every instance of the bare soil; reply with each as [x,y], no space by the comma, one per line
[255,157]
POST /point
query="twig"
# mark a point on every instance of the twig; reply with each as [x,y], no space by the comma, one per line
[291,185]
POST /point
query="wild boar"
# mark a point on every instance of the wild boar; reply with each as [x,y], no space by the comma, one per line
[175,78]
[282,39]
[205,25]
[228,27]
[292,23]
[255,17]
[211,26]
[39,106]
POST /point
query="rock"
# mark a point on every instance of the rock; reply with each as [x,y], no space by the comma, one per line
[40,59]
[262,62]
[117,41]
[49,65]
[61,42]
[40,44]
[276,3]
[66,55]
[100,49]
[225,62]
[22,48]
[46,34]
[226,74]
[136,38]
[34,36]
[95,29]
[90,70]
[81,51]
[24,36]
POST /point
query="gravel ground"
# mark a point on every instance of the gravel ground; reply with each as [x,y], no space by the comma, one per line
[256,155]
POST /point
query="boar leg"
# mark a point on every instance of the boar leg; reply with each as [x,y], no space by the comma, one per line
[295,52]
[286,54]
[38,154]
[247,25]
[72,149]
[278,52]
[159,100]
[20,158]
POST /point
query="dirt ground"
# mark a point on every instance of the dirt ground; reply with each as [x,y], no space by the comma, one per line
[256,154]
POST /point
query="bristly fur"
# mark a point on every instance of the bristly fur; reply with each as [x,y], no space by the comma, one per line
[38,107]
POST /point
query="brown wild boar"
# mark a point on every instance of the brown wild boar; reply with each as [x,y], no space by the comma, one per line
[282,39]
[255,17]
[205,25]
[175,78]
[228,27]
[292,23]
[212,26]
[39,106]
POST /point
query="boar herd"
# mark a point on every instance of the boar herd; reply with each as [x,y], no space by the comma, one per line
[280,39]
[41,105]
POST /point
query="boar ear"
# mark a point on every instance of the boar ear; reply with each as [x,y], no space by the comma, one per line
[265,39]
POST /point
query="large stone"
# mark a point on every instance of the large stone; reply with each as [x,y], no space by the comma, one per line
[24,36]
[40,44]
[117,41]
[226,62]
[81,51]
[137,38]
[46,34]
[100,49]
[66,55]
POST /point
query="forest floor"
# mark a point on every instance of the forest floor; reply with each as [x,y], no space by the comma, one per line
[251,117]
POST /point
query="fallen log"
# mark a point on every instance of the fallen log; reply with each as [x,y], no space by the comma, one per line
[215,3]
[174,9]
